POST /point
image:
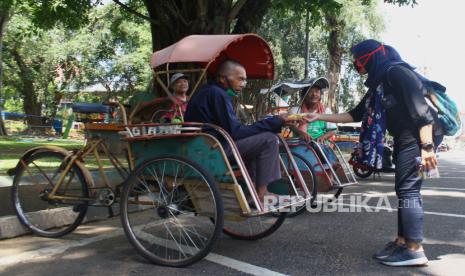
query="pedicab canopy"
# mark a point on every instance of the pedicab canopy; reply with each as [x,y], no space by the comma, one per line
[284,89]
[210,50]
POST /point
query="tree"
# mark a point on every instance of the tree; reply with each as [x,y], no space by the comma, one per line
[46,65]
[5,9]
[69,12]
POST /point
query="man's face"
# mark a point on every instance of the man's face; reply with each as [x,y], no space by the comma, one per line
[236,80]
[181,86]
[314,95]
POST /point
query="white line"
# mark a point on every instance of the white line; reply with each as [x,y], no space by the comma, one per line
[212,257]
[395,210]
[240,266]
[51,251]
[424,187]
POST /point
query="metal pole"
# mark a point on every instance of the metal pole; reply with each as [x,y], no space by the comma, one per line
[307,30]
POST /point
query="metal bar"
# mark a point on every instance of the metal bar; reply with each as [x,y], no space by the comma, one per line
[345,163]
[116,163]
[204,71]
[300,179]
[288,175]
[100,168]
[77,198]
[328,163]
[178,71]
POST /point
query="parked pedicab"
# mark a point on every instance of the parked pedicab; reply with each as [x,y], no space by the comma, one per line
[323,166]
[182,190]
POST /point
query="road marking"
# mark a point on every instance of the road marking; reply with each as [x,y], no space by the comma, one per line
[212,257]
[240,266]
[51,251]
[424,187]
[395,210]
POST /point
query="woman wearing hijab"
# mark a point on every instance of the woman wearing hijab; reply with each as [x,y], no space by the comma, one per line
[394,101]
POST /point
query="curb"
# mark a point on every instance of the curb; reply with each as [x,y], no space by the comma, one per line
[11,227]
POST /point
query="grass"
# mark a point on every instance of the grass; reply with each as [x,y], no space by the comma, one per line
[12,148]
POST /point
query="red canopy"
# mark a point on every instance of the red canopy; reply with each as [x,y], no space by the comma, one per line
[210,50]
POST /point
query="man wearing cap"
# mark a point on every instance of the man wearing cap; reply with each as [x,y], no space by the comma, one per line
[311,103]
[179,85]
[257,143]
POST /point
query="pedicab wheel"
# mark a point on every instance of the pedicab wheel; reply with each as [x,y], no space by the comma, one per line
[171,211]
[33,182]
[308,175]
[361,172]
[253,228]
[306,169]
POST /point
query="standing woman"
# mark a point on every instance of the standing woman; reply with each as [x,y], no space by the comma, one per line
[395,102]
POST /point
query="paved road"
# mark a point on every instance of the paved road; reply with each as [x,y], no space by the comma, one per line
[317,243]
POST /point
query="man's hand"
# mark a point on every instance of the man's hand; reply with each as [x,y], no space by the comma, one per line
[289,121]
[428,159]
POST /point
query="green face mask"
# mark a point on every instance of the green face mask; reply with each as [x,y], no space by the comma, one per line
[231,92]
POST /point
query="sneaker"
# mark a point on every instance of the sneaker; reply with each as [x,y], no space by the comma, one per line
[386,251]
[402,256]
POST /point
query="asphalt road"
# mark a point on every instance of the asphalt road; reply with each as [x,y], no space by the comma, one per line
[324,243]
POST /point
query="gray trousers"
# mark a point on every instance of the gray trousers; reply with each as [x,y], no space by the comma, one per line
[260,153]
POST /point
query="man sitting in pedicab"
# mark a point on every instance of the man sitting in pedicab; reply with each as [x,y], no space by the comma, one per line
[318,130]
[179,85]
[257,143]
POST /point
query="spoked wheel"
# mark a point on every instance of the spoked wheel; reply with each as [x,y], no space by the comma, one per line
[253,228]
[361,172]
[33,183]
[171,211]
[308,175]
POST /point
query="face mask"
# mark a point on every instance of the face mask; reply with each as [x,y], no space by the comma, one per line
[231,92]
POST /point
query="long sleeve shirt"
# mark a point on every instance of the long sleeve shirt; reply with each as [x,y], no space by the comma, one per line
[406,108]
[211,104]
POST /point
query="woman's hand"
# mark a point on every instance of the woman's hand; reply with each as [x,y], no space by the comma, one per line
[428,159]
[312,117]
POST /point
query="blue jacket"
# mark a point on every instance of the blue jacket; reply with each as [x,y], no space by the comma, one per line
[211,104]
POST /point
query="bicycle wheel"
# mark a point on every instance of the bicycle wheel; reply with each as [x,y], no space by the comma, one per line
[168,205]
[253,228]
[309,177]
[31,186]
[361,172]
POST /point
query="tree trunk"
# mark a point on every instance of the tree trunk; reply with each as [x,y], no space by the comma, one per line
[250,16]
[4,16]
[173,20]
[335,51]
[32,107]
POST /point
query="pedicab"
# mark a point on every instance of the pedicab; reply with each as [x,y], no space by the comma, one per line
[184,190]
[323,166]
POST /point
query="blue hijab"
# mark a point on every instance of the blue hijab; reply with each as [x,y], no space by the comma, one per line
[371,142]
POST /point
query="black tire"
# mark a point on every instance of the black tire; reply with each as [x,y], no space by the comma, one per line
[362,173]
[233,229]
[170,208]
[314,190]
[45,168]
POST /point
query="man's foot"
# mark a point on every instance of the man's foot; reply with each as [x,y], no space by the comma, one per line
[386,251]
[402,256]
